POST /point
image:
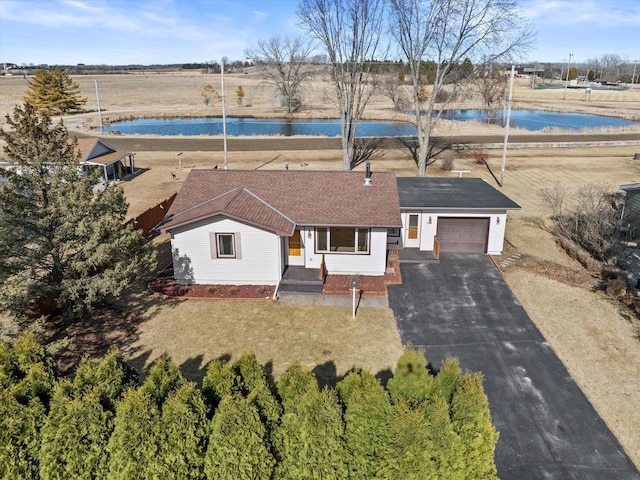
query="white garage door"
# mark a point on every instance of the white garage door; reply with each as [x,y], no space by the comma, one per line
[463,235]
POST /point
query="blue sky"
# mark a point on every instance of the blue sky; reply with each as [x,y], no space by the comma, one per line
[180,31]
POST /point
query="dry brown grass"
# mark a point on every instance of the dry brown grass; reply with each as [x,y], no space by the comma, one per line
[595,343]
[321,337]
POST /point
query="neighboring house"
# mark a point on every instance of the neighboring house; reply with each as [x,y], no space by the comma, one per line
[113,165]
[246,227]
[465,215]
[630,216]
[607,81]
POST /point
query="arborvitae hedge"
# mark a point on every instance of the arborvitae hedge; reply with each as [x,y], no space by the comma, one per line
[104,425]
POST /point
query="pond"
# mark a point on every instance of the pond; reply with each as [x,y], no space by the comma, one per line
[534,120]
[255,126]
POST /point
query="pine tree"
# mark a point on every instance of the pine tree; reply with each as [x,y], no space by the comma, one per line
[411,380]
[446,453]
[309,440]
[238,445]
[25,390]
[219,382]
[367,417]
[164,379]
[472,422]
[111,377]
[75,436]
[134,445]
[54,92]
[448,378]
[408,444]
[184,433]
[62,245]
[20,425]
[257,389]
[294,383]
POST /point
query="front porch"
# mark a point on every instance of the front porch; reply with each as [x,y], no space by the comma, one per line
[305,281]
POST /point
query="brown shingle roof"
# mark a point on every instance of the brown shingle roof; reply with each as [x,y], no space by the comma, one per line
[86,147]
[279,200]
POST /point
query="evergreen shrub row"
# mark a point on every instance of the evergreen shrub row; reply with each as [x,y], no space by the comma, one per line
[104,424]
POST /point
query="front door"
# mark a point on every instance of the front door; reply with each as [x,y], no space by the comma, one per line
[296,249]
[412,231]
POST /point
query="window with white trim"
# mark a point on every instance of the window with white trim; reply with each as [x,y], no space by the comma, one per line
[342,240]
[393,232]
[226,245]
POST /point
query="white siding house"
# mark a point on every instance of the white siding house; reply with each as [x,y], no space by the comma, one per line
[247,227]
[256,260]
[465,215]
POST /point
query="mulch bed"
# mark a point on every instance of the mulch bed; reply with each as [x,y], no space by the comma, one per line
[334,285]
[367,284]
[170,288]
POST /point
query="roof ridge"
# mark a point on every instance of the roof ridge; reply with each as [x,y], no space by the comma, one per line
[269,205]
[211,200]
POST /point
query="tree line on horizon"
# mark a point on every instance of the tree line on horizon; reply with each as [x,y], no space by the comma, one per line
[105,424]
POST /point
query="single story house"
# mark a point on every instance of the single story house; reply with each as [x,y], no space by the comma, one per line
[245,227]
[464,215]
[114,165]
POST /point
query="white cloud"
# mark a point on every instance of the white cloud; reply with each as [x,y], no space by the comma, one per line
[601,13]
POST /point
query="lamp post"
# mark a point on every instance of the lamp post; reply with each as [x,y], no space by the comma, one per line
[224,114]
[354,282]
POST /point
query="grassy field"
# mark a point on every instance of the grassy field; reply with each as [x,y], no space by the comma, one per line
[594,340]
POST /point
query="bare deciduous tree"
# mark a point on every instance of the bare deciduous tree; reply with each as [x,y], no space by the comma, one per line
[391,88]
[610,63]
[285,64]
[447,32]
[492,85]
[350,30]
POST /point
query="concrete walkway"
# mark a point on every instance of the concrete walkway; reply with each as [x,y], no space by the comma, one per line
[334,300]
[462,307]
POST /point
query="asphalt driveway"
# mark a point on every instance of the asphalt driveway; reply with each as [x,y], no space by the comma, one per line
[548,429]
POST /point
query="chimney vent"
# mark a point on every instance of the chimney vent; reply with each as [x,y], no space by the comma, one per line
[367,176]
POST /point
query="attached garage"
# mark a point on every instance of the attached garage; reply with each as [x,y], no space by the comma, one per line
[464,215]
[463,235]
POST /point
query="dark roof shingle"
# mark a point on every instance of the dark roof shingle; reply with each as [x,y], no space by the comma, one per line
[278,200]
[452,193]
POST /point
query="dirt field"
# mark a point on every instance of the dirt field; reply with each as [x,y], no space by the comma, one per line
[593,339]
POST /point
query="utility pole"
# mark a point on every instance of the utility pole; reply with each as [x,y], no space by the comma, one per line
[224,116]
[506,127]
[98,99]
[567,84]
